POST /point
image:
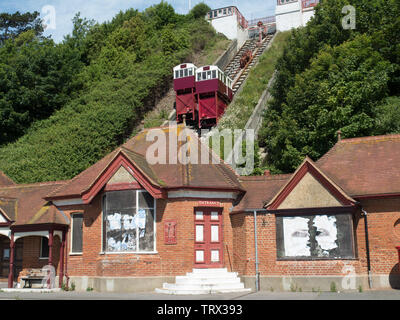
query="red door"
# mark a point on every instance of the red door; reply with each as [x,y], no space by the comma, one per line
[208,246]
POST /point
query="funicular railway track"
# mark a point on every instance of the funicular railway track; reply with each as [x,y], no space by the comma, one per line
[234,69]
[203,94]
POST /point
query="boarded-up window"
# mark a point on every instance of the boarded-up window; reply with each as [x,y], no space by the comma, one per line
[128,221]
[77,233]
[315,236]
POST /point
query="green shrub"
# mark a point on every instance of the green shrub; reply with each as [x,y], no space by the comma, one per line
[128,66]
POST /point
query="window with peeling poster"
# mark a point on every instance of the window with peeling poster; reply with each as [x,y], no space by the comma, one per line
[128,224]
[315,237]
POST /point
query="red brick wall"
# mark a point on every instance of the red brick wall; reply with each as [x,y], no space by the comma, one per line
[382,218]
[31,253]
[170,260]
[240,243]
[383,236]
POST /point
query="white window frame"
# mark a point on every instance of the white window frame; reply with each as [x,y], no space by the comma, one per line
[71,253]
[103,252]
[41,246]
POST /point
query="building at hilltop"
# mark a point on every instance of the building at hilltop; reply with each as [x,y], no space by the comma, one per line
[233,24]
[293,13]
[288,14]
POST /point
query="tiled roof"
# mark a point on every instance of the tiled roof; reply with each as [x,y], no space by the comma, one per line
[359,167]
[365,166]
[175,174]
[24,204]
[4,180]
[260,189]
[171,174]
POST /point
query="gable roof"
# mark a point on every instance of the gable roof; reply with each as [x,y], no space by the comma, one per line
[308,166]
[258,190]
[4,180]
[157,176]
[214,175]
[367,166]
[25,204]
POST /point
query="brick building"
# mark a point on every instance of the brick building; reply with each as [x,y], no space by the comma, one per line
[129,223]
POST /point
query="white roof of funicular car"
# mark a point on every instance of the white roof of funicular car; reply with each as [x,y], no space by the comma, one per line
[184,66]
[208,68]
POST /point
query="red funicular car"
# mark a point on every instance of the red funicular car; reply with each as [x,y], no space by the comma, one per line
[214,93]
[184,86]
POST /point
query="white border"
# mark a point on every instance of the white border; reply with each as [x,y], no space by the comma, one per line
[71,253]
[102,252]
[40,251]
[69,202]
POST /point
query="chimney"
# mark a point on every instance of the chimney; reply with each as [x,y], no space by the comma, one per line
[339,135]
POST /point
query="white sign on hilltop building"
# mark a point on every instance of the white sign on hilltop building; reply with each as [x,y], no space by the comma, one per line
[293,13]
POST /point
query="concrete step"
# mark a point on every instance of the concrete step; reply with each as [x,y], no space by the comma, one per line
[205,281]
[210,271]
[210,276]
[187,286]
[195,292]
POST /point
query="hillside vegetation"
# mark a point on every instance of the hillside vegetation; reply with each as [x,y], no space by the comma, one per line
[330,78]
[241,109]
[106,78]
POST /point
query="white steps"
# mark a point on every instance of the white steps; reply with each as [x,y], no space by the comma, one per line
[205,281]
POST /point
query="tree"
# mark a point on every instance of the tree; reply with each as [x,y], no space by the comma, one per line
[13,24]
[339,91]
[200,10]
[329,78]
[36,78]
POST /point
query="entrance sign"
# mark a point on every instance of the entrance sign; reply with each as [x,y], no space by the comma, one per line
[209,204]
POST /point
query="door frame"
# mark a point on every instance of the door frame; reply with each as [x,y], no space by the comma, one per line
[207,233]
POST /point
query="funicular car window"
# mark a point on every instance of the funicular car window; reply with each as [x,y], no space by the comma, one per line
[214,74]
[204,75]
[176,74]
[186,72]
[181,73]
[190,71]
[128,221]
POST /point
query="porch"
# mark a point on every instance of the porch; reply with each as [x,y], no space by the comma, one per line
[37,247]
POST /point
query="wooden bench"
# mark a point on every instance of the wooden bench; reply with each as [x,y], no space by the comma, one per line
[33,276]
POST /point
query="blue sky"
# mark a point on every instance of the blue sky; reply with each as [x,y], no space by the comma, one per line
[103,10]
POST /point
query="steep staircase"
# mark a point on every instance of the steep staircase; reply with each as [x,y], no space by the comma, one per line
[233,69]
[205,281]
